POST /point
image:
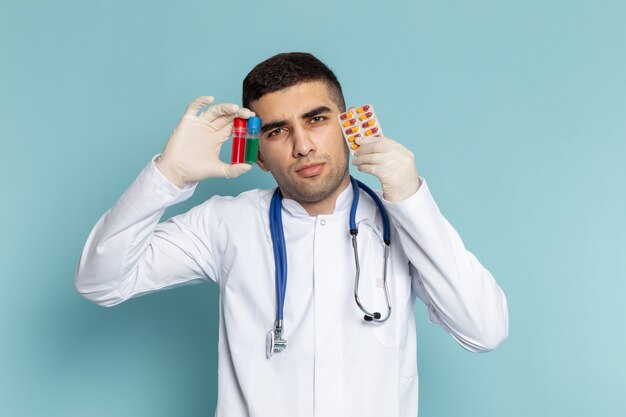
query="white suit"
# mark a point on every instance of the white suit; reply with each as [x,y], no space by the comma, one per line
[335,364]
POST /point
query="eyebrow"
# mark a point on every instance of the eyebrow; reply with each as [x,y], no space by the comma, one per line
[316,111]
[280,123]
[273,125]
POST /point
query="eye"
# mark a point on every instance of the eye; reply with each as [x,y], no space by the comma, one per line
[275,132]
[317,119]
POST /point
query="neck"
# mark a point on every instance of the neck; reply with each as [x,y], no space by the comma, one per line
[327,205]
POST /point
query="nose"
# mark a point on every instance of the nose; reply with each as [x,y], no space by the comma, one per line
[303,143]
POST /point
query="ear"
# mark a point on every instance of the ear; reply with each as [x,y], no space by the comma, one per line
[261,162]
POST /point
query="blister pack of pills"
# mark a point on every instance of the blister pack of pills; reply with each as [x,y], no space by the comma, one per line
[359,122]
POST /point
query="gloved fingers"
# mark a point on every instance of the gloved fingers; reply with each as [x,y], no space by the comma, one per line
[370,159]
[233,171]
[218,111]
[244,113]
[362,140]
[197,104]
[370,169]
[373,144]
[224,121]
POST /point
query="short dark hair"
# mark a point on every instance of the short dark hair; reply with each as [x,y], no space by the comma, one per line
[286,70]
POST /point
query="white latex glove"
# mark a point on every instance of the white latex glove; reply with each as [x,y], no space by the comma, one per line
[192,152]
[392,163]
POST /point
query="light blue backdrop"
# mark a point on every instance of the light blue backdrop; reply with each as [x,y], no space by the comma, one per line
[516,112]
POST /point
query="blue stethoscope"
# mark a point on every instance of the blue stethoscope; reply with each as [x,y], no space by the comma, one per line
[275,341]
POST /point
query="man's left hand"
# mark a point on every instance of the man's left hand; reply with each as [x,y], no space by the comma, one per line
[392,163]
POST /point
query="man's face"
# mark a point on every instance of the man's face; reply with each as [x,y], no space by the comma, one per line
[301,142]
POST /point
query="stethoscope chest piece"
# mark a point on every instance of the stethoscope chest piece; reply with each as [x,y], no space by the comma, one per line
[274,342]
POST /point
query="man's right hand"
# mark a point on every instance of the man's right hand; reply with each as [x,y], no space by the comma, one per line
[192,151]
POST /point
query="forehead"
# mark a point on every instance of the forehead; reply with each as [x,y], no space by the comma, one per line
[291,102]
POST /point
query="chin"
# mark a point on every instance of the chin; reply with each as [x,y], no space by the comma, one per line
[318,190]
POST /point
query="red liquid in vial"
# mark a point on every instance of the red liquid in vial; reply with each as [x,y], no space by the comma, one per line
[239,150]
[238,153]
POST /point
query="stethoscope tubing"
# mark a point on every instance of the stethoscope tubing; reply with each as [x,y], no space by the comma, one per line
[280,251]
[356,184]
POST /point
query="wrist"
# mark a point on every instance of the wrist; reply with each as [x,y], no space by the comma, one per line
[398,194]
[174,174]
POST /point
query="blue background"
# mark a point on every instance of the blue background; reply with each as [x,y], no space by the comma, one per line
[516,112]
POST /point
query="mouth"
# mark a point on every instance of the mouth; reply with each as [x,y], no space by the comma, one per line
[310,170]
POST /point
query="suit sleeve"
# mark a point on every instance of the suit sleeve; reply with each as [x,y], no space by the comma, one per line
[461,295]
[129,253]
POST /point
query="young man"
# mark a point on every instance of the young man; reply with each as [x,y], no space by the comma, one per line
[335,363]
